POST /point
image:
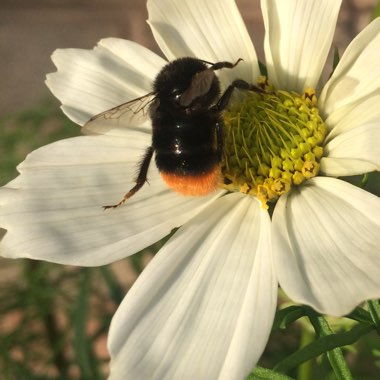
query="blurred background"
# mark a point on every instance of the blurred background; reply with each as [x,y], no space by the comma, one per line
[30,30]
[53,319]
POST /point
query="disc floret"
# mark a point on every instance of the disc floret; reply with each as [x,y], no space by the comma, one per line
[273,141]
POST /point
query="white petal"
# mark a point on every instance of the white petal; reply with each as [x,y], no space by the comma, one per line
[358,73]
[356,151]
[91,81]
[53,210]
[326,239]
[211,30]
[297,41]
[203,308]
[363,111]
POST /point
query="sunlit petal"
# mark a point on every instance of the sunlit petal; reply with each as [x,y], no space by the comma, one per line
[360,112]
[326,245]
[203,308]
[53,210]
[357,75]
[356,151]
[88,82]
[295,46]
[211,30]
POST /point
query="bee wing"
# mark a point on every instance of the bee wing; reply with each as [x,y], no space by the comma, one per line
[129,114]
[200,85]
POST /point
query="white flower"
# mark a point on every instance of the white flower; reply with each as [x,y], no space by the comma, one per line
[204,306]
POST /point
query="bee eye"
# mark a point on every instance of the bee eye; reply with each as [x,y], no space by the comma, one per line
[177,97]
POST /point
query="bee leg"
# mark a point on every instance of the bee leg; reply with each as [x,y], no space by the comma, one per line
[239,84]
[224,65]
[220,140]
[140,181]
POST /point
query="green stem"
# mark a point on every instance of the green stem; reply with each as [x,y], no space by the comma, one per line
[323,345]
[116,291]
[84,354]
[54,337]
[335,356]
[37,276]
[304,371]
[260,373]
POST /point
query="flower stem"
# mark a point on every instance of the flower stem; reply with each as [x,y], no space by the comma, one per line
[335,356]
[304,371]
[116,291]
[260,373]
[322,345]
[38,280]
[84,354]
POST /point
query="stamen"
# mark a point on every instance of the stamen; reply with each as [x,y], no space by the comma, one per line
[273,141]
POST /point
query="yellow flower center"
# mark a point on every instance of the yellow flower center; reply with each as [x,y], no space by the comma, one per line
[273,141]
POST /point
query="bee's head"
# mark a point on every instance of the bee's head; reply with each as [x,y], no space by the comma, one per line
[187,82]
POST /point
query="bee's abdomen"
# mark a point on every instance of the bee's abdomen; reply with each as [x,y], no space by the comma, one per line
[186,149]
[187,155]
[195,185]
[187,162]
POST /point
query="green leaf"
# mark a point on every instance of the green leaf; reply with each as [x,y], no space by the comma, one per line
[336,60]
[116,291]
[374,310]
[364,181]
[322,345]
[260,373]
[263,69]
[82,345]
[360,315]
[335,356]
[285,317]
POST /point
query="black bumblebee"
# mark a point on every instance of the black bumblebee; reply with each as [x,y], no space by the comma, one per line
[185,108]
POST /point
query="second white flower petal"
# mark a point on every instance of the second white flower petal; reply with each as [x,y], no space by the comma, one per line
[326,245]
[91,81]
[212,30]
[297,41]
[203,308]
[53,210]
[356,151]
[363,111]
[357,75]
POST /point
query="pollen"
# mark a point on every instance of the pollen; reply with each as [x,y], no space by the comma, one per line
[273,142]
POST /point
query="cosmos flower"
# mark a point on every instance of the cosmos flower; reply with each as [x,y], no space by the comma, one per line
[204,306]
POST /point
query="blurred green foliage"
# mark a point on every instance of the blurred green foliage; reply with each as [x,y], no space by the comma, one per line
[376,11]
[54,319]
[25,131]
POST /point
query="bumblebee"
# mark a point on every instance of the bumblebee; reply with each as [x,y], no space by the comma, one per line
[185,108]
